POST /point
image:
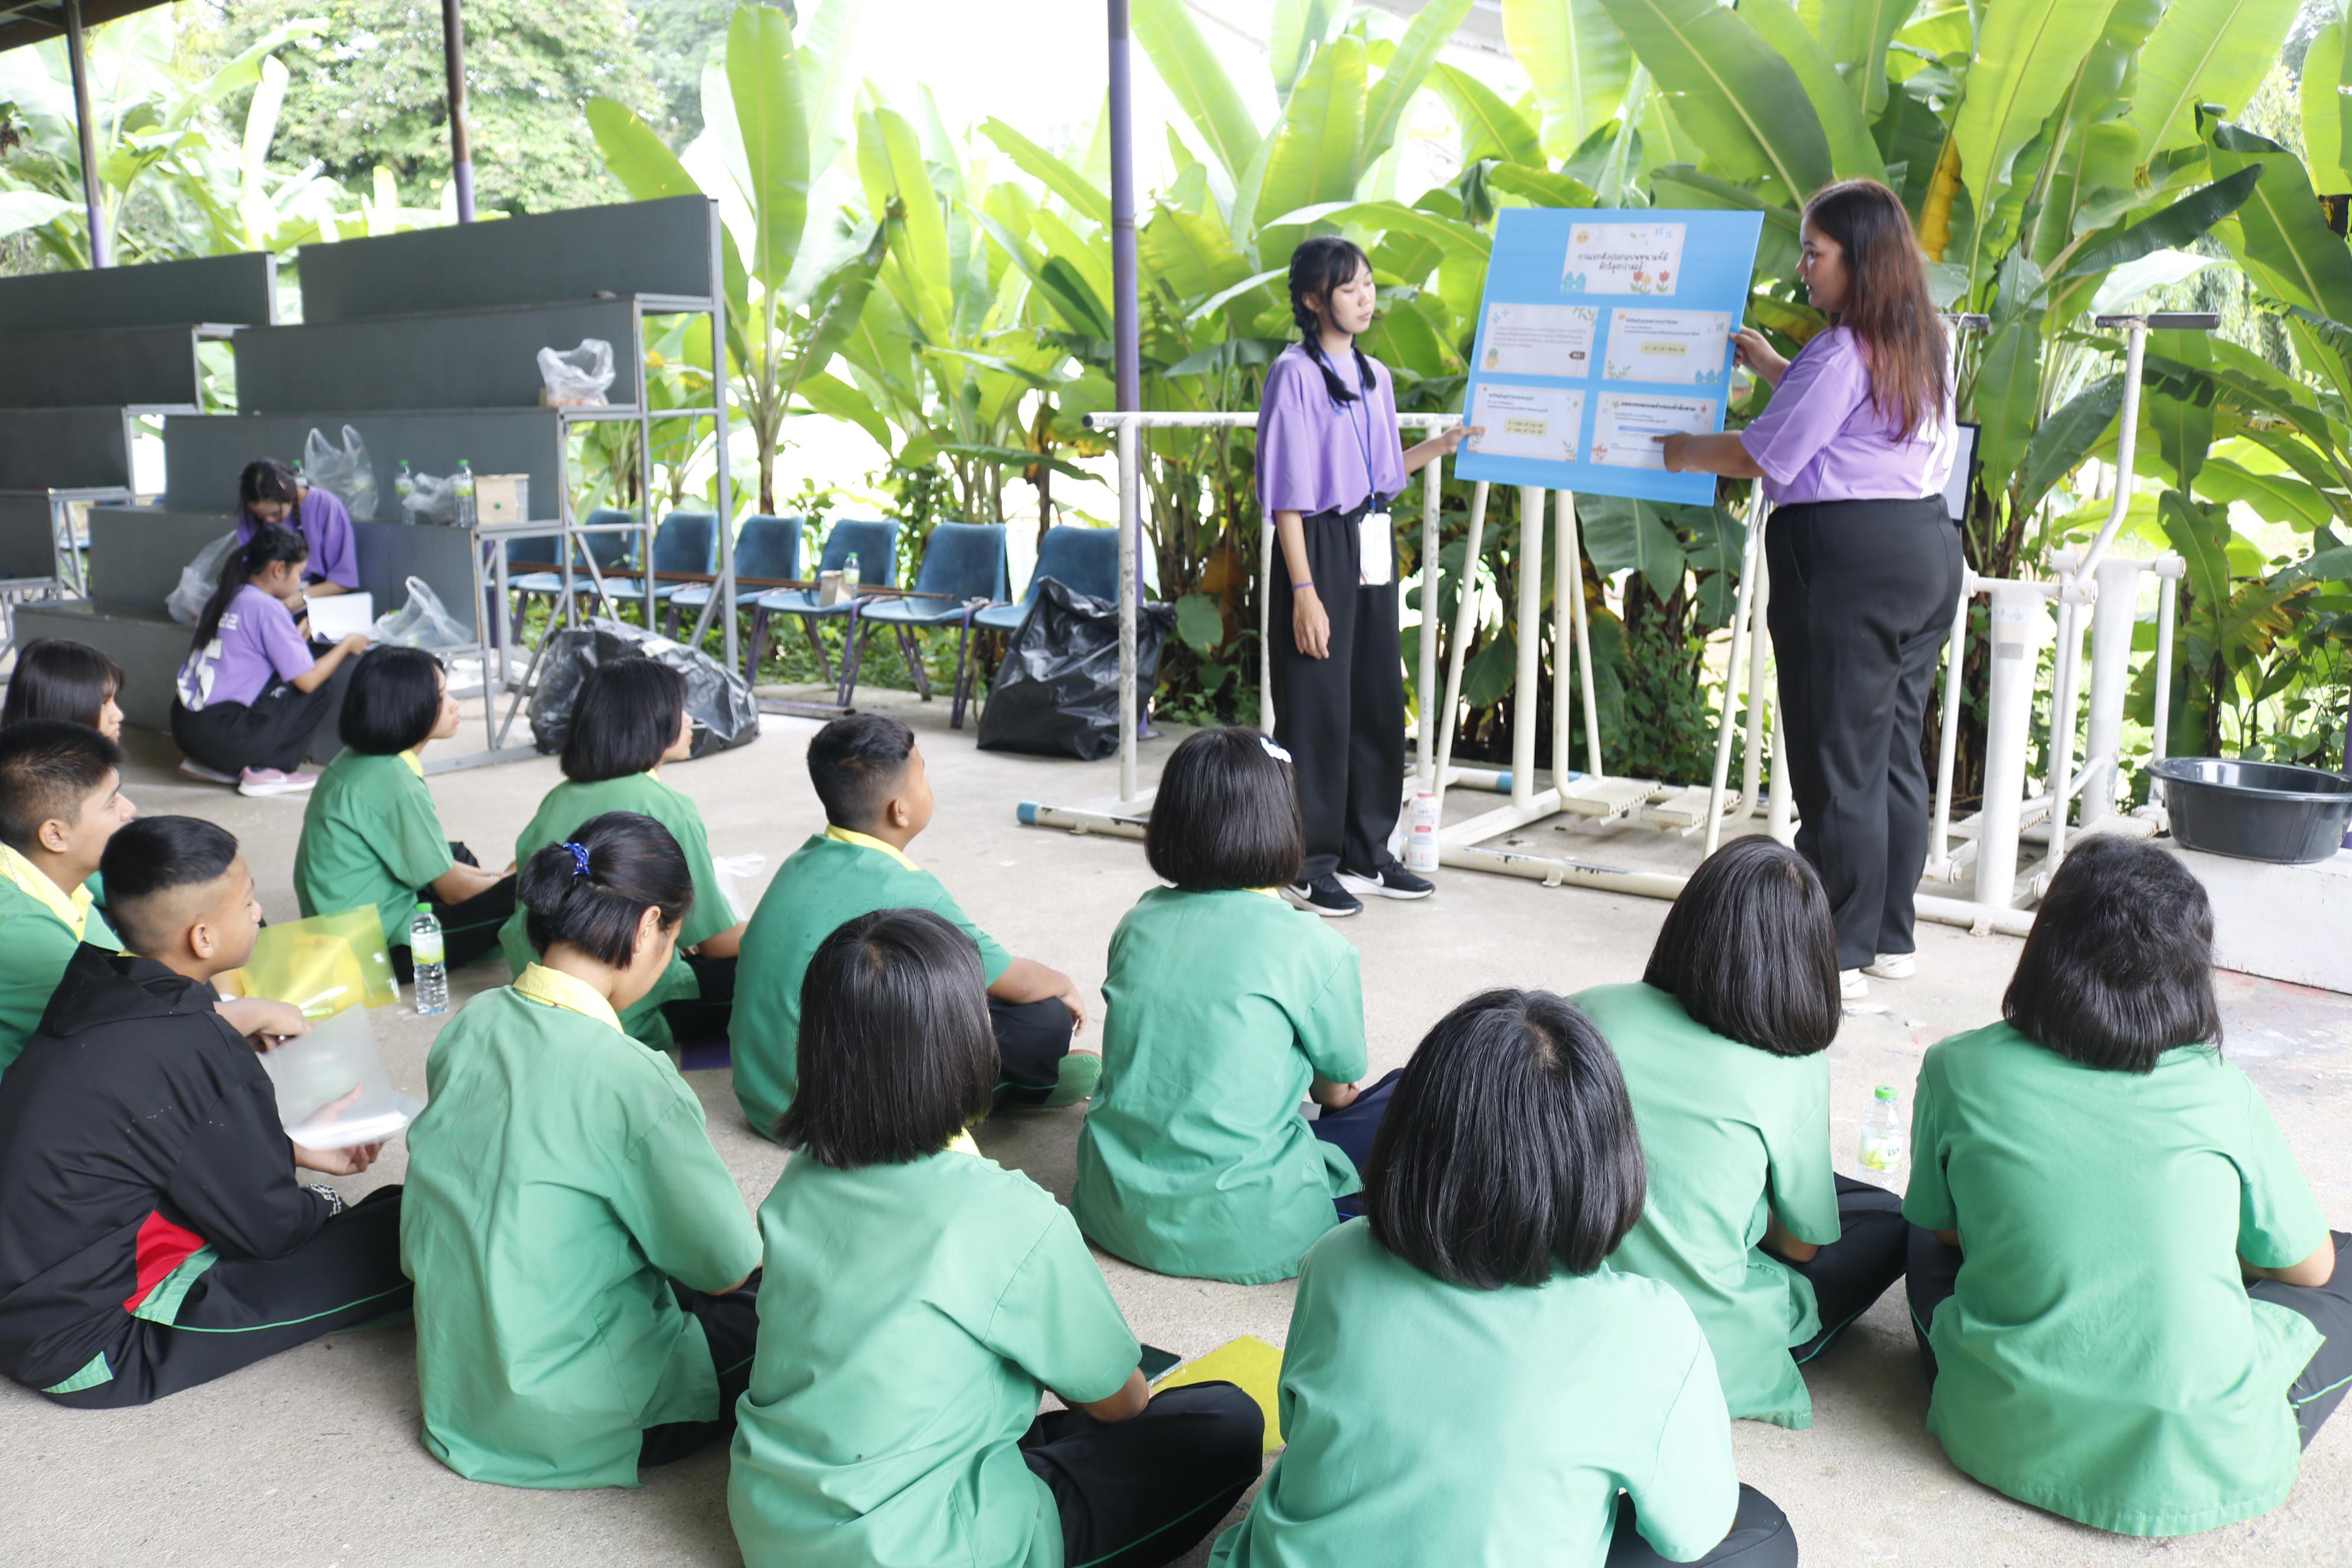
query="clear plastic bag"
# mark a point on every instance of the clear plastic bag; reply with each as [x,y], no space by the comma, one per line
[423,622]
[344,472]
[576,378]
[186,603]
[430,499]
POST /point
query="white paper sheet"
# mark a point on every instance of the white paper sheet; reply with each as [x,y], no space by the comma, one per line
[1625,424]
[1528,421]
[1686,347]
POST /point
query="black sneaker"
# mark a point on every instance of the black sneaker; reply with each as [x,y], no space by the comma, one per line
[1324,896]
[1390,882]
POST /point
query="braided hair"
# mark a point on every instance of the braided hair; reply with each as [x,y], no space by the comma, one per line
[1320,264]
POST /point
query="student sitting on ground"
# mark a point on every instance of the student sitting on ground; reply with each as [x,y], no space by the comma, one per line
[580,1252]
[268,492]
[370,832]
[153,1232]
[630,719]
[1721,1045]
[869,775]
[923,1297]
[2151,1311]
[57,678]
[60,801]
[1466,1379]
[253,703]
[1194,1158]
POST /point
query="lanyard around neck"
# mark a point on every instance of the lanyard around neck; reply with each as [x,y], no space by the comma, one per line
[1363,434]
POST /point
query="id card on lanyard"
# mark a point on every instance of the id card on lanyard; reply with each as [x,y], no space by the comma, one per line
[1375,530]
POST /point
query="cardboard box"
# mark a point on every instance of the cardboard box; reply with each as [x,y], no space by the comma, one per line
[501,498]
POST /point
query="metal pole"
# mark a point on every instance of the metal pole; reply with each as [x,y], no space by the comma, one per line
[1131,441]
[102,250]
[2166,607]
[1126,353]
[1567,586]
[726,596]
[461,151]
[1947,737]
[1584,645]
[2020,626]
[1465,622]
[1425,767]
[1740,610]
[1759,606]
[1529,622]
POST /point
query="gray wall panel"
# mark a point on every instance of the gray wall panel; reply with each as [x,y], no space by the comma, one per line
[632,247]
[63,448]
[125,364]
[148,648]
[393,552]
[27,536]
[136,553]
[239,290]
[469,359]
[202,454]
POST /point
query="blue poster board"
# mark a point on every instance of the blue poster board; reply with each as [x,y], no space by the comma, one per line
[1600,330]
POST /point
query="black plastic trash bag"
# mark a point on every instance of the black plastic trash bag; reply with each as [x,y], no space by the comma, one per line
[1056,693]
[717,701]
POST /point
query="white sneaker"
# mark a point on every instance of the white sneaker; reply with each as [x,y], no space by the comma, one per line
[270,781]
[1852,986]
[1893,967]
[191,768]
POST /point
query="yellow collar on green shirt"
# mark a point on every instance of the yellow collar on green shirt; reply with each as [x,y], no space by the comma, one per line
[867,841]
[416,763]
[1270,892]
[557,989]
[72,911]
[962,1144]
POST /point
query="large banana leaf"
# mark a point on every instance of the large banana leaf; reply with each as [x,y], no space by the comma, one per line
[1541,187]
[2066,437]
[1454,235]
[1190,254]
[1430,30]
[2009,386]
[1299,28]
[2324,105]
[1854,34]
[827,42]
[2202,535]
[2170,227]
[765,81]
[2205,52]
[1578,60]
[2183,425]
[1632,536]
[2285,241]
[920,262]
[1852,151]
[1490,128]
[1315,153]
[1739,100]
[839,400]
[2028,53]
[1083,194]
[1197,82]
[636,157]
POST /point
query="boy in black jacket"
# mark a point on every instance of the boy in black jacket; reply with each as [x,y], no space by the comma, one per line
[153,1234]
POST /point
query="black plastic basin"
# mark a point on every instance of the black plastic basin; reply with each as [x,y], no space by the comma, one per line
[2255,811]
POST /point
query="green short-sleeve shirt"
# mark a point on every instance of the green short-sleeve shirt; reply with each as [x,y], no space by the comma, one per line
[1194,1158]
[369,836]
[569,804]
[1431,1424]
[1731,1135]
[913,1313]
[35,948]
[831,879]
[2101,1357]
[559,1179]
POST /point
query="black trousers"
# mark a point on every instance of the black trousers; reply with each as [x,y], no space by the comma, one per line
[469,930]
[1853,1272]
[1341,719]
[1138,1493]
[245,1310]
[1761,1537]
[1032,1038]
[2317,1390]
[1862,604]
[282,729]
[706,1019]
[730,1322]
[1353,1127]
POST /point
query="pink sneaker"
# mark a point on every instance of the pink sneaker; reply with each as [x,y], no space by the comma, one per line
[270,781]
[191,768]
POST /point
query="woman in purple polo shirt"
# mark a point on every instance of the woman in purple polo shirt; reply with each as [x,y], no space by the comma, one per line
[253,703]
[1328,462]
[268,492]
[1865,563]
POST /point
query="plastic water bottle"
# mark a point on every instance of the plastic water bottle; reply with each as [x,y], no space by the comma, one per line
[1883,1135]
[432,974]
[1421,838]
[404,484]
[461,484]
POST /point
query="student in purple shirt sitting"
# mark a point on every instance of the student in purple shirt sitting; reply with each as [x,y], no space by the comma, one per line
[267,493]
[253,703]
[1866,564]
[1329,463]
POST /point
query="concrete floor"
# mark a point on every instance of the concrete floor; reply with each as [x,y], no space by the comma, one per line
[313,1459]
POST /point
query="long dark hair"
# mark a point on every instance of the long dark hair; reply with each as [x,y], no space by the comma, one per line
[1887,305]
[272,545]
[1319,266]
[1750,950]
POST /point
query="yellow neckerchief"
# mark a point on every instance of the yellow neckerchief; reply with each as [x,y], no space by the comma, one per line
[962,1144]
[416,763]
[867,841]
[72,911]
[557,989]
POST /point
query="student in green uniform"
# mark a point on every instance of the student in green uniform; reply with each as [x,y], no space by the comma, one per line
[1195,1159]
[60,800]
[869,774]
[631,719]
[2130,1307]
[1467,1380]
[923,1297]
[370,832]
[1721,1044]
[583,1264]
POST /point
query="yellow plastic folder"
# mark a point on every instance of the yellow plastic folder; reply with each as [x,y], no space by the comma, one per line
[322,964]
[1250,1364]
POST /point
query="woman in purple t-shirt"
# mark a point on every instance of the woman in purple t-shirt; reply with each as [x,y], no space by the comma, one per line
[1328,462]
[1864,561]
[268,491]
[253,703]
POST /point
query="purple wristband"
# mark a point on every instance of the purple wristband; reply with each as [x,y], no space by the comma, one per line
[1309,583]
